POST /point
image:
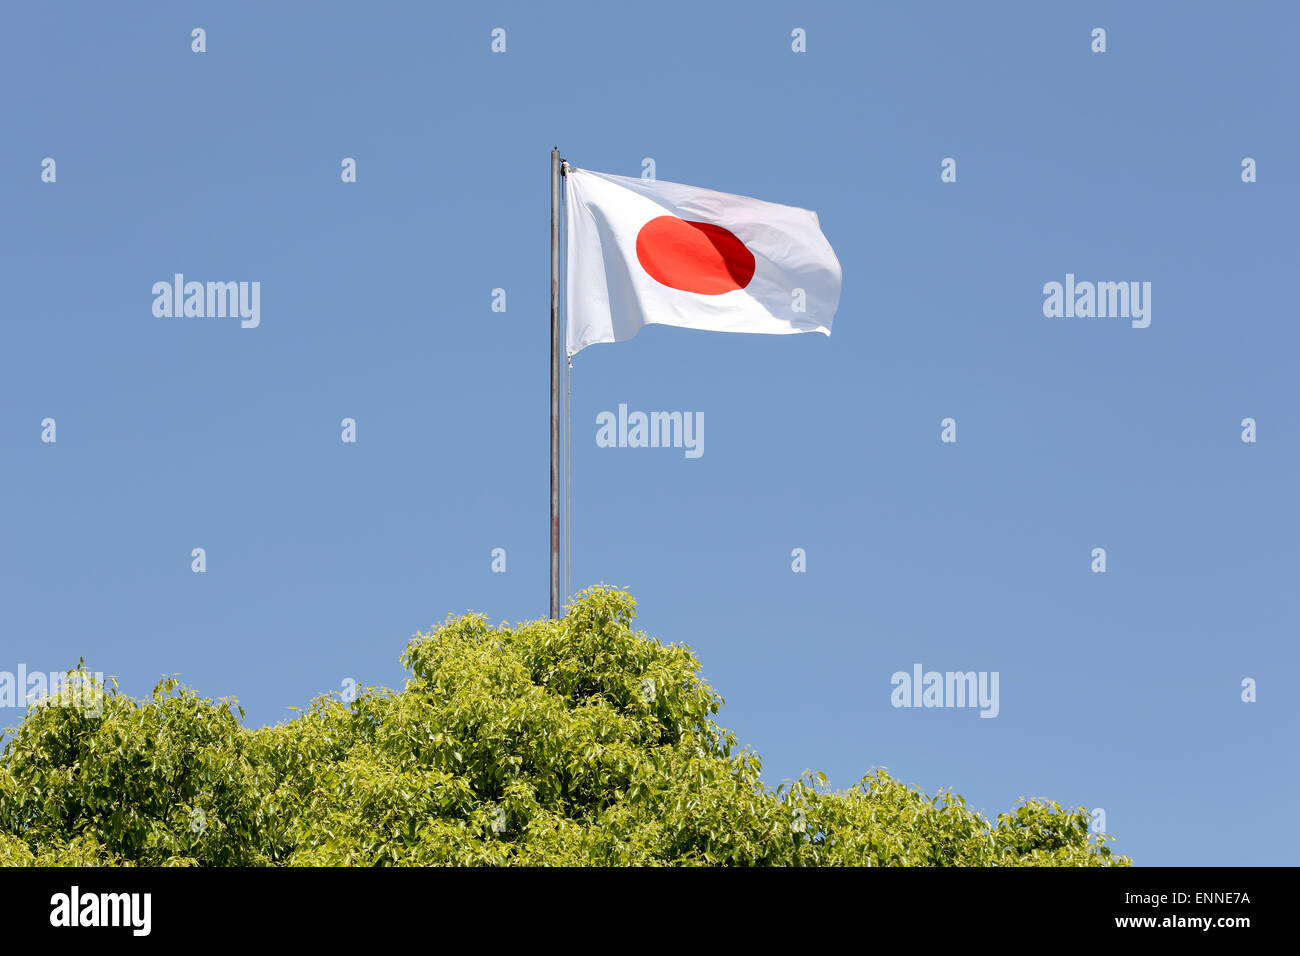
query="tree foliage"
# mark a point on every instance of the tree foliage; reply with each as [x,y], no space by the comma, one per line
[570,742]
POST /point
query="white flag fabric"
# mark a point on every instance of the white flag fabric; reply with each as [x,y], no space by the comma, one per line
[641,251]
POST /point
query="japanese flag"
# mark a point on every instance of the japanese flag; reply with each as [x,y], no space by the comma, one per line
[641,251]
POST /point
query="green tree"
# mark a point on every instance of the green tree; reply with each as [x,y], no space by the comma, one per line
[570,742]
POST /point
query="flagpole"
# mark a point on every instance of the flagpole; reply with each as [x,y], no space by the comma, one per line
[555,383]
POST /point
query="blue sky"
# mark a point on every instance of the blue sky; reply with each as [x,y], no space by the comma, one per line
[1119,691]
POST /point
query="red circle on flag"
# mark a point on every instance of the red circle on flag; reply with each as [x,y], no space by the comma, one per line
[694,256]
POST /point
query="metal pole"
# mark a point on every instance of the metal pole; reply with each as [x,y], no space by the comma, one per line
[555,384]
